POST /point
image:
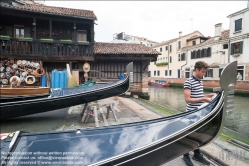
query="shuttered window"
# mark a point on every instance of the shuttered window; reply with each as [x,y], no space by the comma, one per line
[170,59]
[236,48]
[166,72]
[149,74]
[158,72]
[238,25]
[169,72]
[170,48]
[155,73]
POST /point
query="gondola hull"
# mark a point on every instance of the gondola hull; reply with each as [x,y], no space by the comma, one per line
[142,143]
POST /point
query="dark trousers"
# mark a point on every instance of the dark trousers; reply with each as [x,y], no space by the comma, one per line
[196,152]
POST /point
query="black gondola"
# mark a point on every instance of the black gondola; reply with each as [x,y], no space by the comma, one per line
[64,98]
[152,142]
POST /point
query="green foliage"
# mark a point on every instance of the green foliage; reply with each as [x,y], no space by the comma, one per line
[66,41]
[25,38]
[4,37]
[48,40]
[83,42]
[162,64]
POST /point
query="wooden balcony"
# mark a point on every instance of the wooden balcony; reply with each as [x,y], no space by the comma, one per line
[28,48]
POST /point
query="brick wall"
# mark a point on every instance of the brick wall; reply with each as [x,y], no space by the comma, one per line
[242,85]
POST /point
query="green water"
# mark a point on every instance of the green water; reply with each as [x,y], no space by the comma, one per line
[174,98]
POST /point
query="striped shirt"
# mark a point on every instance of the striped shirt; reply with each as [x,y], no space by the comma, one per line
[196,87]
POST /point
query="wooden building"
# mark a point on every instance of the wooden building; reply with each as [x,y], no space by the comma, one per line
[55,36]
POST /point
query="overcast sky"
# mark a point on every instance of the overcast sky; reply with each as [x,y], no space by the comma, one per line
[156,20]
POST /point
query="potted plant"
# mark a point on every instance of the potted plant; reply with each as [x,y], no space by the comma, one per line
[30,39]
[82,42]
[46,40]
[66,41]
[2,37]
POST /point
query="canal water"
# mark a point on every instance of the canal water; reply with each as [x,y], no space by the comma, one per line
[174,98]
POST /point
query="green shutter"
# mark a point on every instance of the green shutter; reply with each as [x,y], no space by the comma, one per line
[232,49]
[205,52]
[210,51]
[241,47]
[195,54]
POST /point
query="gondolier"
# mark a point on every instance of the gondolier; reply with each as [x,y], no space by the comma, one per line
[194,97]
[14,82]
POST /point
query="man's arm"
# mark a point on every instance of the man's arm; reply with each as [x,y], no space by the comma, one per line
[188,99]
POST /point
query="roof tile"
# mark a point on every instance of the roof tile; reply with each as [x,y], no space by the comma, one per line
[54,10]
[123,48]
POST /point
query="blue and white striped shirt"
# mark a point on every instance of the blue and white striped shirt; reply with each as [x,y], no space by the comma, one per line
[196,87]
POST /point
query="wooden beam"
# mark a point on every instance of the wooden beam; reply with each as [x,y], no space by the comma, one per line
[50,28]
[74,30]
[34,26]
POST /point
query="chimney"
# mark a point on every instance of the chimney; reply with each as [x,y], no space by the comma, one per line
[217,34]
[180,34]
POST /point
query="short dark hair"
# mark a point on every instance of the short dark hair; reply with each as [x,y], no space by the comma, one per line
[201,64]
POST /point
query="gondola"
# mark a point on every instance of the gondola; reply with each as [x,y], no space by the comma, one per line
[152,142]
[62,98]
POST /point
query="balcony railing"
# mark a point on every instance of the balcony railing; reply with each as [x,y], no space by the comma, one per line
[28,46]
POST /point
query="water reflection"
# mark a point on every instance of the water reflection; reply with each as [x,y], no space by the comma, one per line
[174,98]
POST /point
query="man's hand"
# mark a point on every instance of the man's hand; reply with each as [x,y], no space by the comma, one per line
[210,95]
[207,99]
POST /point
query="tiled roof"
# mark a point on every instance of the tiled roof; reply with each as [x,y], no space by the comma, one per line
[165,42]
[123,48]
[172,40]
[142,38]
[224,35]
[40,8]
[238,12]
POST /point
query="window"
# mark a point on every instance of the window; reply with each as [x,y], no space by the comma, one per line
[170,48]
[166,72]
[240,69]
[170,59]
[161,49]
[225,46]
[183,57]
[209,53]
[179,45]
[238,25]
[209,73]
[169,72]
[166,48]
[82,35]
[193,42]
[155,73]
[155,63]
[164,59]
[187,72]
[19,31]
[237,48]
[141,42]
[178,73]
[179,57]
[150,44]
[158,72]
[149,74]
